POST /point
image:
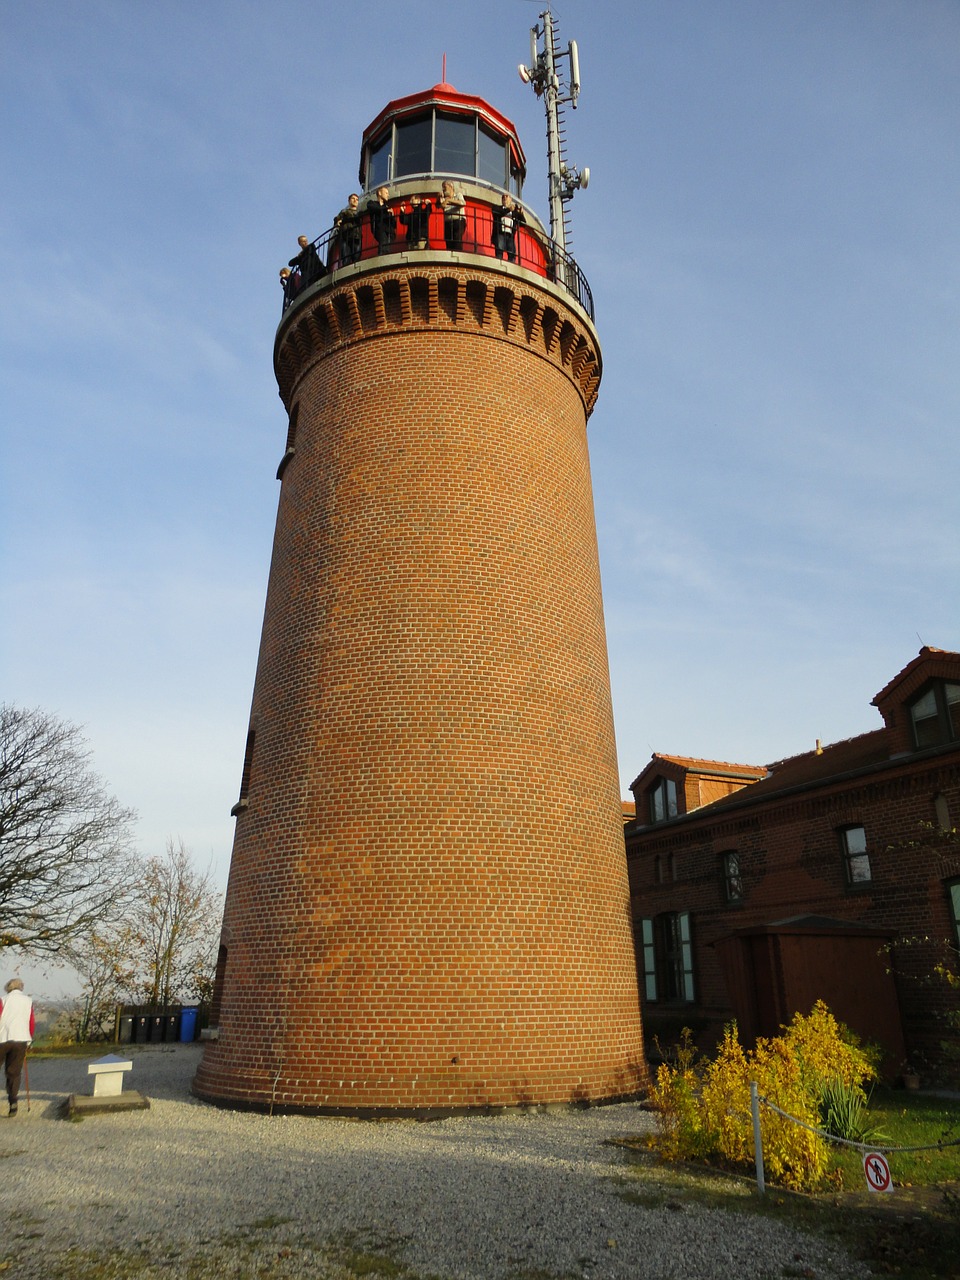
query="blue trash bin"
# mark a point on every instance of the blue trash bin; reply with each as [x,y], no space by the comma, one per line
[188,1025]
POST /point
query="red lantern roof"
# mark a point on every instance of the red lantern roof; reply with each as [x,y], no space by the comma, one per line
[446,98]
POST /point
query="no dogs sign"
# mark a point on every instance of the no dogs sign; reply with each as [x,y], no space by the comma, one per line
[877,1172]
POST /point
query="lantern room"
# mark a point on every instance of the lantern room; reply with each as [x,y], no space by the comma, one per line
[442,133]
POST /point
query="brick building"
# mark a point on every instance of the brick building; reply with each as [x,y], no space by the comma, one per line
[433,652]
[835,873]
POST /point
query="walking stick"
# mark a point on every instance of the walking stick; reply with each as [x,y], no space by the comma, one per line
[26,1079]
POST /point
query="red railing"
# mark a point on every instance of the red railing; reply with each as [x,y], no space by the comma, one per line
[533,250]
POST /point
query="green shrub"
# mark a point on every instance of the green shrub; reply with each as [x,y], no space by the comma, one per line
[703,1106]
[843,1112]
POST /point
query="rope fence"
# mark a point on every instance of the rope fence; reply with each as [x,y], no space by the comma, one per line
[757,1100]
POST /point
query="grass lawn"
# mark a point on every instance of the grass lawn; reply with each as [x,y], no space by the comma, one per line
[91,1049]
[909,1120]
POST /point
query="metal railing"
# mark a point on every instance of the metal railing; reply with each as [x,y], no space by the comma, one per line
[335,249]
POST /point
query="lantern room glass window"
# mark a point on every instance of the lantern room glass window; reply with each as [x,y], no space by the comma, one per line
[455,144]
[413,146]
[378,170]
[442,142]
[491,158]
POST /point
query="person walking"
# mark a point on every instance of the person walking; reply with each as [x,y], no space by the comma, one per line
[16,1034]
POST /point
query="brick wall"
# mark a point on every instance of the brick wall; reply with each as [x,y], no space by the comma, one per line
[428,906]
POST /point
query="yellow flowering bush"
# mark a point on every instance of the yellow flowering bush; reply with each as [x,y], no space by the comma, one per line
[703,1106]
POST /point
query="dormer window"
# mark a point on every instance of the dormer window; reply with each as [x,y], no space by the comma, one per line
[663,800]
[935,715]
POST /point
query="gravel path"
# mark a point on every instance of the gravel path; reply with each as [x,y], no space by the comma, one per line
[186,1189]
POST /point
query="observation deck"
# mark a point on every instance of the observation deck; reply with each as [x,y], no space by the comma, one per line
[414,146]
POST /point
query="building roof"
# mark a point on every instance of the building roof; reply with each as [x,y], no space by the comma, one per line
[818,766]
[934,661]
[826,764]
[692,764]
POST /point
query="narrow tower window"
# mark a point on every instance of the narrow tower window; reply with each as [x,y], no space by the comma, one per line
[291,448]
[241,804]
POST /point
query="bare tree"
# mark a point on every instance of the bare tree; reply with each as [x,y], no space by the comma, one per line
[64,842]
[105,959]
[176,917]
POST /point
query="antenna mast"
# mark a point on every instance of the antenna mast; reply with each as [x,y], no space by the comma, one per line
[563,178]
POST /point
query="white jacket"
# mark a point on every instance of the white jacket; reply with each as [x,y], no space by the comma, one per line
[16,1018]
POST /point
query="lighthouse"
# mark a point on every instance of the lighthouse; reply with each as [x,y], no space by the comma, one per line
[427,910]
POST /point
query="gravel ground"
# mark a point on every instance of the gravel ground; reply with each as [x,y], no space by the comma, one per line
[186,1189]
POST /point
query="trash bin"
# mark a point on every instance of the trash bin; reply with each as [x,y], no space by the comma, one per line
[171,1026]
[188,1025]
[126,1028]
[157,1024]
[141,1029]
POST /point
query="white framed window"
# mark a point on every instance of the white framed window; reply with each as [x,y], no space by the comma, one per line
[677,957]
[663,800]
[856,860]
[648,959]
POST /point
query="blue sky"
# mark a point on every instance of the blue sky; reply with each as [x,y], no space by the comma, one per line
[772,237]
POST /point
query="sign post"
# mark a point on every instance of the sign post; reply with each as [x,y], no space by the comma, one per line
[877,1172]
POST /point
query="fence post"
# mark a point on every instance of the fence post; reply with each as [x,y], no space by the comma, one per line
[757,1140]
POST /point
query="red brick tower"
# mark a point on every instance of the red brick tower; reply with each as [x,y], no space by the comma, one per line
[428,907]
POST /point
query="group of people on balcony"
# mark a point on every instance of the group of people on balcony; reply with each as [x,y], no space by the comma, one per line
[383,218]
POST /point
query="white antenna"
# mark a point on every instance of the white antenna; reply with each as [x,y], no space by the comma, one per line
[542,73]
